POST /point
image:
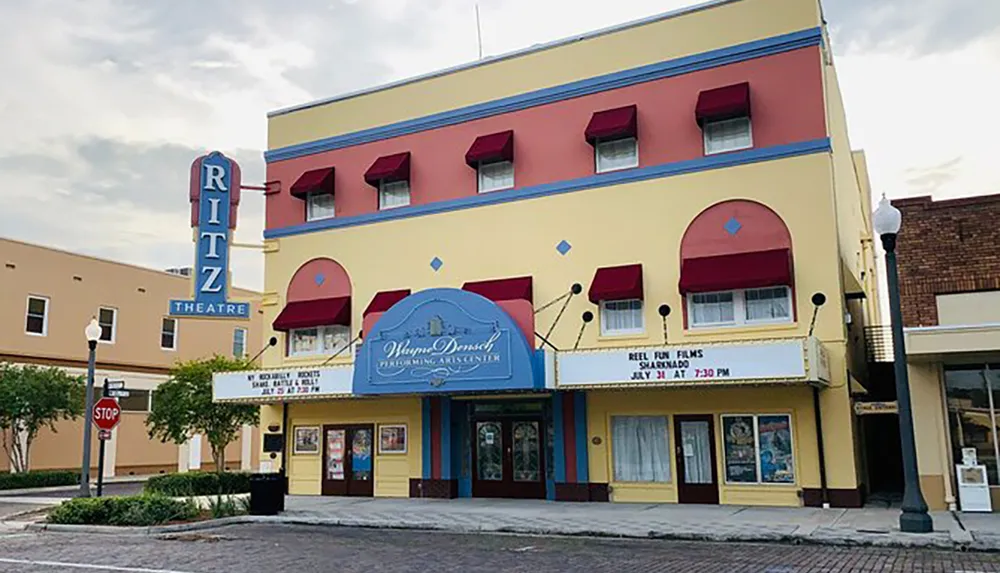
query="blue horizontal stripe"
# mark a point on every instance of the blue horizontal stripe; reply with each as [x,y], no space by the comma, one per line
[615,80]
[719,161]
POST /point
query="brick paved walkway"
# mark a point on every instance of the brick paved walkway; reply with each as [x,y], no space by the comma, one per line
[291,549]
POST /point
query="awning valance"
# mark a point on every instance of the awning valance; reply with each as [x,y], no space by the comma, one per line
[723,103]
[503,289]
[617,123]
[389,168]
[383,300]
[489,148]
[741,270]
[616,283]
[315,181]
[312,313]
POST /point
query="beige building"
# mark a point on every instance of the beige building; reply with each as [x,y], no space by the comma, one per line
[49,296]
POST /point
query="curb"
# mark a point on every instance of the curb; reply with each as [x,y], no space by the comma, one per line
[813,537]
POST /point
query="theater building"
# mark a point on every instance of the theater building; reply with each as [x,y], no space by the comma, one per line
[619,267]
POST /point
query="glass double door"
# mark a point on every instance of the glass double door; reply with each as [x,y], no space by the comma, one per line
[348,463]
[507,458]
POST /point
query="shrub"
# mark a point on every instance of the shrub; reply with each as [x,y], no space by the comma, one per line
[226,507]
[199,483]
[38,479]
[139,510]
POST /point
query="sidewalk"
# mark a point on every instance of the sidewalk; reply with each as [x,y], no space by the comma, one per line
[694,522]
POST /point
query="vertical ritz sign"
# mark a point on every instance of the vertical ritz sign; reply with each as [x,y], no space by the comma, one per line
[215,197]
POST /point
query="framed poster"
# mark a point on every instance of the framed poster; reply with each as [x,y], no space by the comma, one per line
[335,454]
[392,439]
[776,458]
[306,440]
[740,449]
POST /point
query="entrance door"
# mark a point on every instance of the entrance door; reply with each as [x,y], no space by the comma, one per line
[697,481]
[348,464]
[507,458]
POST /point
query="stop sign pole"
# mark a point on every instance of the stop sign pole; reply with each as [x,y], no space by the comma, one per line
[106,415]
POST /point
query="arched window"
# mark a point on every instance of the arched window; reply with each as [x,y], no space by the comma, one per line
[736,267]
[317,313]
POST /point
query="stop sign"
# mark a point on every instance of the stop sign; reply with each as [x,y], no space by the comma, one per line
[107,413]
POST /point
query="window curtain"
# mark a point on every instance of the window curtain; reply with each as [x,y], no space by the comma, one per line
[697,450]
[640,448]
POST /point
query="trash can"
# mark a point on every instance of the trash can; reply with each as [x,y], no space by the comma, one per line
[267,494]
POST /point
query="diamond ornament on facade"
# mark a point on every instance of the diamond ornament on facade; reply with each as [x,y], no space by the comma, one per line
[320,279]
[436,264]
[732,226]
[563,247]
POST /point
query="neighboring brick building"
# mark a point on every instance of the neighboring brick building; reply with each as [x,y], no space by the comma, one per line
[946,247]
[949,270]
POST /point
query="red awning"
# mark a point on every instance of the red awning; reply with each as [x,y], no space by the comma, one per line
[315,181]
[723,103]
[493,147]
[616,123]
[383,301]
[389,168]
[503,289]
[317,312]
[616,283]
[741,270]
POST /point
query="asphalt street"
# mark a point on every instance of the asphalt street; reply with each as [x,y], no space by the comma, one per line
[114,488]
[290,549]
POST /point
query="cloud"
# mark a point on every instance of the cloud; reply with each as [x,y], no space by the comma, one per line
[912,26]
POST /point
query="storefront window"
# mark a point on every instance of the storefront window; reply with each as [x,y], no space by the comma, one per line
[972,413]
[640,448]
[758,448]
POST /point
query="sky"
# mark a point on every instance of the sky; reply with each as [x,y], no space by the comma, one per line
[105,103]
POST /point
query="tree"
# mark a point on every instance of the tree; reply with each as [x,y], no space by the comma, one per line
[32,398]
[183,406]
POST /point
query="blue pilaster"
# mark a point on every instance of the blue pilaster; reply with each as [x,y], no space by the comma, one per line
[580,422]
[425,437]
[446,438]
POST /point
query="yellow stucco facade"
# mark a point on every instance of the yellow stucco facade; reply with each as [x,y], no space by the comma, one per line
[821,196]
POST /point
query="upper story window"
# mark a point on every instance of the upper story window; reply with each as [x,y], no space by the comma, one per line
[136,401]
[496,176]
[615,137]
[724,116]
[622,317]
[319,206]
[318,340]
[108,319]
[37,316]
[317,315]
[727,135]
[240,342]
[315,187]
[736,267]
[168,334]
[741,307]
[616,154]
[392,194]
[492,156]
[390,174]
[618,291]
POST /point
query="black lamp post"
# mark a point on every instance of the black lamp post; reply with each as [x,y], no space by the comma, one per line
[93,334]
[914,519]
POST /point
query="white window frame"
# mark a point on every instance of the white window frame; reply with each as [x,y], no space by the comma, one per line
[310,216]
[162,332]
[739,309]
[670,446]
[756,445]
[245,334]
[45,315]
[114,324]
[704,135]
[597,155]
[320,350]
[623,332]
[480,178]
[381,191]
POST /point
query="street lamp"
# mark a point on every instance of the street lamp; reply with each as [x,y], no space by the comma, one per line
[93,334]
[914,519]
